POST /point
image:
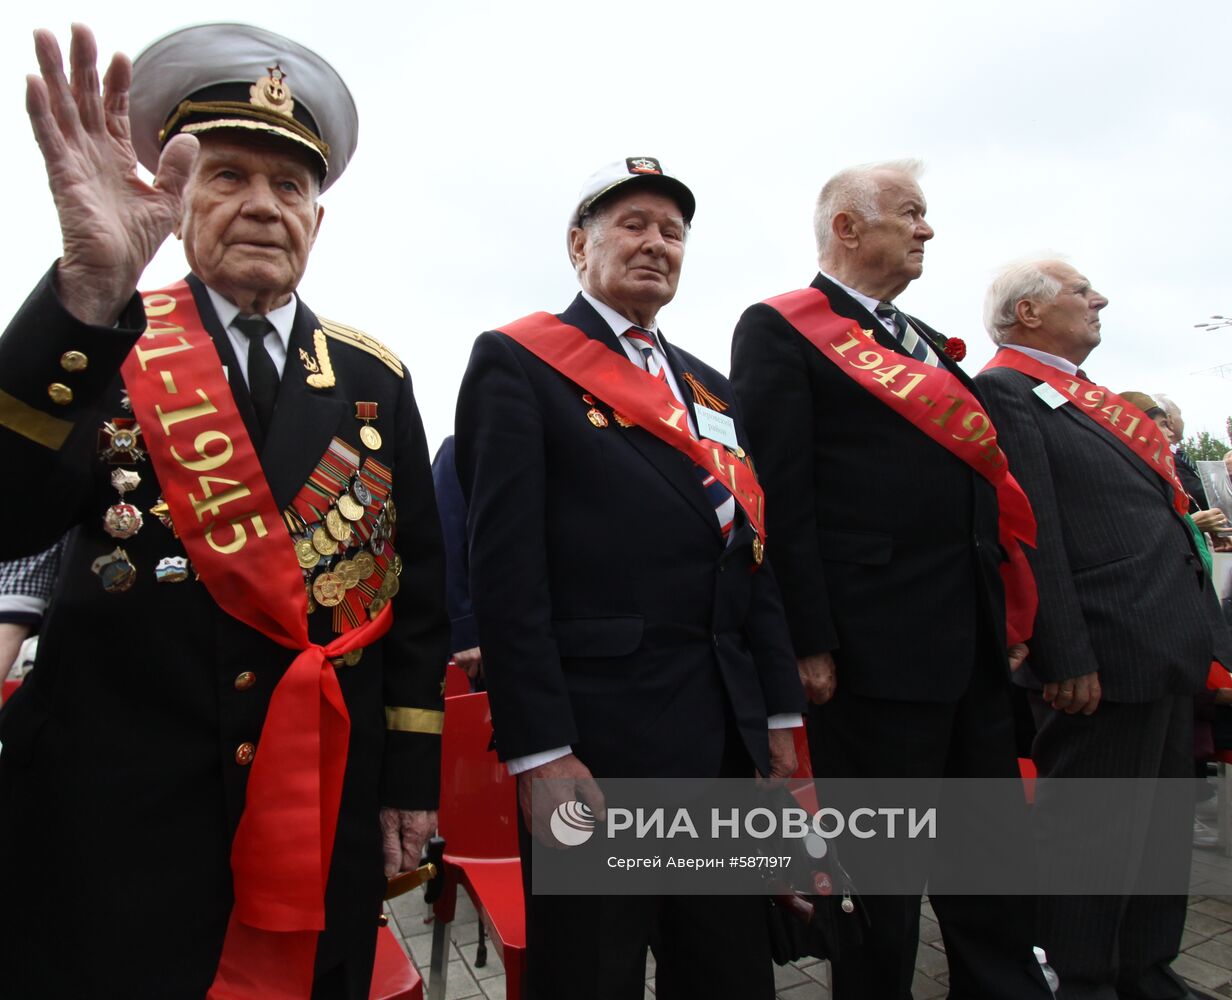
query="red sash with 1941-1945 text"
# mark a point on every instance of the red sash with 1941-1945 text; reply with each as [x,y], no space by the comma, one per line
[225,515]
[940,406]
[1139,433]
[640,397]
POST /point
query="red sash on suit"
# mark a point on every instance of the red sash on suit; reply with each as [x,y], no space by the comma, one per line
[225,515]
[1140,433]
[940,406]
[640,397]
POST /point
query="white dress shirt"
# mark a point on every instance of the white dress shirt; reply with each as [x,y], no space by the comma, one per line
[276,341]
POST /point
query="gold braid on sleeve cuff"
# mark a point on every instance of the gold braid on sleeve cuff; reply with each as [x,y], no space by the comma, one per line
[39,427]
[414,720]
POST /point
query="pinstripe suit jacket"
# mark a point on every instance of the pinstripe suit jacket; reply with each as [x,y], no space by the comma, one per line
[1122,589]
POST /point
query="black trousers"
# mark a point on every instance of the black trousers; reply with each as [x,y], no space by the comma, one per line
[716,947]
[988,939]
[1116,947]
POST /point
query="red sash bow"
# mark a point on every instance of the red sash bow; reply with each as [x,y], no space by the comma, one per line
[226,517]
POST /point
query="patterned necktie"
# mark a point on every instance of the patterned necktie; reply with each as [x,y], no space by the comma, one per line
[716,492]
[912,342]
[262,374]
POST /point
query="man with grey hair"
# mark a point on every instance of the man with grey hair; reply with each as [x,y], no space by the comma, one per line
[896,610]
[1126,631]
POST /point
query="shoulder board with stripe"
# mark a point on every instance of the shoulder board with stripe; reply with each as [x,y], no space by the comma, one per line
[361,340]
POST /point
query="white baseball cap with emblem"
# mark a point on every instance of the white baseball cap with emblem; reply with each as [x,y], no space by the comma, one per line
[642,170]
[243,78]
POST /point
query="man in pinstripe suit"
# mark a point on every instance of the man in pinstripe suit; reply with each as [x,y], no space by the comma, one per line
[1128,621]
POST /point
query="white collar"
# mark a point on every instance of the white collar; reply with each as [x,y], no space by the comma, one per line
[617,322]
[867,301]
[282,319]
[1043,356]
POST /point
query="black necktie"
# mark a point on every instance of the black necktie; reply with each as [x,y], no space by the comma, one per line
[262,375]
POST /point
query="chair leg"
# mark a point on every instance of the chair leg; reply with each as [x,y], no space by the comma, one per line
[439,966]
[481,950]
[1225,809]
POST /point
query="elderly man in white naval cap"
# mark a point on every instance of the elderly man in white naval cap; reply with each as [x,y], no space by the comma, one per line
[232,718]
[641,636]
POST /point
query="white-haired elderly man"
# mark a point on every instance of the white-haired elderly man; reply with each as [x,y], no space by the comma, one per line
[228,713]
[1127,626]
[888,529]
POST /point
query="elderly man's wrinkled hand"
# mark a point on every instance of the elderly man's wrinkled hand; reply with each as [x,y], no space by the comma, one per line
[111,222]
[404,832]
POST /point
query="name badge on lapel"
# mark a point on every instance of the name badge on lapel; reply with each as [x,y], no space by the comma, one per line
[715,426]
[1049,395]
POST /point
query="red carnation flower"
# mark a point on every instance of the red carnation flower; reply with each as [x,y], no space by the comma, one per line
[955,349]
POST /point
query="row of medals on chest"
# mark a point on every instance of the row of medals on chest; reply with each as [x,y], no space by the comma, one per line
[322,550]
[314,550]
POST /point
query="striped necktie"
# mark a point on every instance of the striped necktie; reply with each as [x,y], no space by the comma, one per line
[912,342]
[716,492]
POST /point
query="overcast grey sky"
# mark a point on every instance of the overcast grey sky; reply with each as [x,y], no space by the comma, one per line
[1098,129]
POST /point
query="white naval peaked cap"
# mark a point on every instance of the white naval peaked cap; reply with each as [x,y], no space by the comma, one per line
[240,77]
[642,170]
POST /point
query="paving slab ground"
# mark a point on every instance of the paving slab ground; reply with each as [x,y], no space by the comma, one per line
[1205,960]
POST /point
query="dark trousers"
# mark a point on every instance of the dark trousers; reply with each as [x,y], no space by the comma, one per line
[1116,947]
[595,946]
[988,939]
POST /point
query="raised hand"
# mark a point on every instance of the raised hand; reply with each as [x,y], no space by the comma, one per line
[112,223]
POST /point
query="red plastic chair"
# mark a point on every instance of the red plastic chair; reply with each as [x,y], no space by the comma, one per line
[478,820]
[456,681]
[393,975]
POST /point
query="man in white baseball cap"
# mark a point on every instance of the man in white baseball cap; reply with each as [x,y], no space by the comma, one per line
[228,715]
[628,623]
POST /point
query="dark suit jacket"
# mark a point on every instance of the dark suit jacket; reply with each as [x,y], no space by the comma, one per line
[611,615]
[1122,589]
[885,543]
[452,505]
[119,786]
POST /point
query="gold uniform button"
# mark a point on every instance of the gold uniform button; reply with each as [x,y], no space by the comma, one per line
[60,393]
[245,680]
[244,754]
[73,361]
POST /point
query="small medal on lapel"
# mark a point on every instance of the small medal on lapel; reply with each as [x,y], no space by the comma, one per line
[328,589]
[115,570]
[596,417]
[171,569]
[365,564]
[350,508]
[161,511]
[123,520]
[368,434]
[306,553]
[622,419]
[759,550]
[119,441]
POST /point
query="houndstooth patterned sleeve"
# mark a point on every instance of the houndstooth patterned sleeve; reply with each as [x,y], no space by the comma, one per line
[26,585]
